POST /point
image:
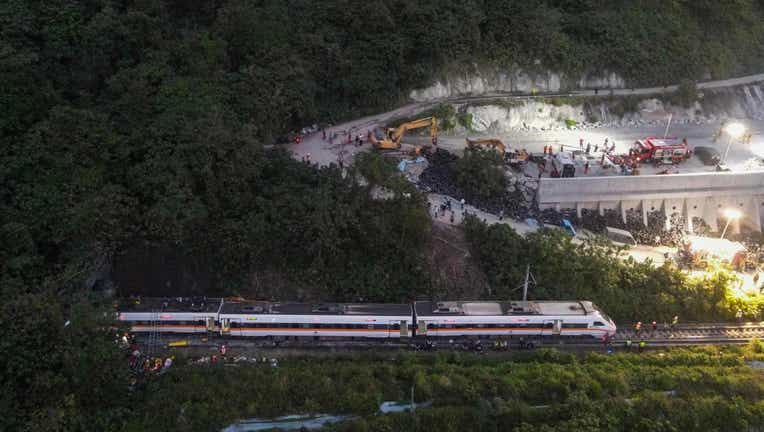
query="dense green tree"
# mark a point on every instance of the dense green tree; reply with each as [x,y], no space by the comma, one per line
[480,173]
[61,370]
[137,129]
[627,290]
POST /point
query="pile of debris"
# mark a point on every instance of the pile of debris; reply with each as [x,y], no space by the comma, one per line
[440,177]
[654,234]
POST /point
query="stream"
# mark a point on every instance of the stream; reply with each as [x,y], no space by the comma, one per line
[312,421]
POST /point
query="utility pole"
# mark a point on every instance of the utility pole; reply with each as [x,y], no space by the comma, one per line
[727,151]
[665,134]
[528,276]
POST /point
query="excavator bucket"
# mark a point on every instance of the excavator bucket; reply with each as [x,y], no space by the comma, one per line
[493,143]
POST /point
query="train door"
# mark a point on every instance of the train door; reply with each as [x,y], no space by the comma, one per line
[554,325]
[426,328]
[210,324]
[404,328]
[557,327]
[225,326]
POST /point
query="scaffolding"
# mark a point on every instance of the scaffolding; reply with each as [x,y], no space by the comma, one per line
[155,335]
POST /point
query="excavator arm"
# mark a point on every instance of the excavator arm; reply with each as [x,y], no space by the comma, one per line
[394,135]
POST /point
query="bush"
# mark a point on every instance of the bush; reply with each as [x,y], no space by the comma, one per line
[756,346]
[627,290]
[480,173]
[465,120]
[549,391]
[686,95]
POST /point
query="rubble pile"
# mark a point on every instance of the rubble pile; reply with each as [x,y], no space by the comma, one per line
[654,234]
[440,177]
[700,227]
[592,221]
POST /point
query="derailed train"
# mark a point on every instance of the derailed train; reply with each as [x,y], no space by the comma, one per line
[452,319]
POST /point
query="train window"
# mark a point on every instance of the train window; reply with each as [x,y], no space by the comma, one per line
[305,325]
[599,324]
[572,325]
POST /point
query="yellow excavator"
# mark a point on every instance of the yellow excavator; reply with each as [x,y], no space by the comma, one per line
[511,157]
[487,142]
[392,140]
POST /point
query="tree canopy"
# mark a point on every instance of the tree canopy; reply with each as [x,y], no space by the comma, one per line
[480,174]
[627,290]
[133,132]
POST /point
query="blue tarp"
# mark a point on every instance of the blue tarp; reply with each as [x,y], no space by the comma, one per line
[569,227]
[404,163]
[533,223]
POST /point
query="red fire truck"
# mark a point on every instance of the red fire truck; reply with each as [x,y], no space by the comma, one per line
[661,151]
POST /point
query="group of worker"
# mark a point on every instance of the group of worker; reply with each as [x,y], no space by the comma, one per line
[607,341]
[607,148]
[447,206]
[349,136]
[145,365]
[628,344]
[654,326]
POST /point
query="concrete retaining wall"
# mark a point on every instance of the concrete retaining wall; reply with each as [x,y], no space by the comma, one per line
[703,195]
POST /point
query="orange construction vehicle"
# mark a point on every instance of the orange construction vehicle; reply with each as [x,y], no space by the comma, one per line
[660,151]
[487,142]
[392,139]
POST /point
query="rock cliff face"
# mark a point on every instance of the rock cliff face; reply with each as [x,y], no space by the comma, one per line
[580,113]
[477,82]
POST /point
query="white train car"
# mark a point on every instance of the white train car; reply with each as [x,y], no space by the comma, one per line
[507,319]
[263,319]
[170,315]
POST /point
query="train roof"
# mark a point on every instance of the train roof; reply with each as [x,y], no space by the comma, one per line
[169,304]
[477,308]
[253,307]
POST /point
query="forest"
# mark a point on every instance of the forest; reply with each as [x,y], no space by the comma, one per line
[134,133]
[698,389]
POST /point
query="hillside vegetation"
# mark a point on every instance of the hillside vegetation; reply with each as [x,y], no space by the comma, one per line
[679,390]
[629,291]
[139,125]
[136,128]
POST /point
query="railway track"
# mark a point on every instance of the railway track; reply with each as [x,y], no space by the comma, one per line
[696,332]
[681,335]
